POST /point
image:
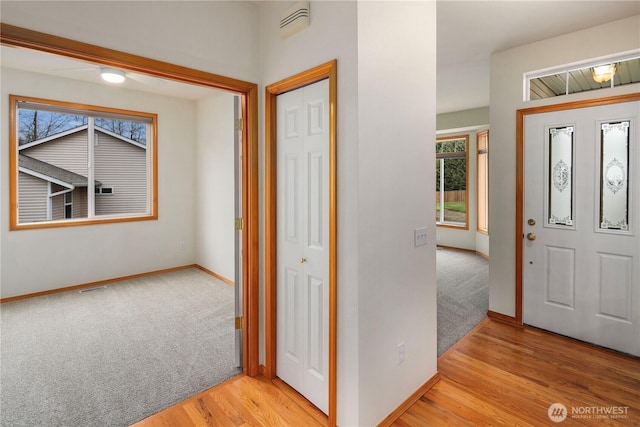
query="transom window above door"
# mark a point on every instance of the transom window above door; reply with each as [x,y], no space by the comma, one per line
[611,72]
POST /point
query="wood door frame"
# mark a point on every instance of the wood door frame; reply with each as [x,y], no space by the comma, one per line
[520,115]
[305,78]
[24,38]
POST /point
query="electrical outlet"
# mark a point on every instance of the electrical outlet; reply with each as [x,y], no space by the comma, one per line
[401,352]
[420,236]
[182,246]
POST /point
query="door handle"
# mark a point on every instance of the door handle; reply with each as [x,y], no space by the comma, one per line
[531,236]
[303,260]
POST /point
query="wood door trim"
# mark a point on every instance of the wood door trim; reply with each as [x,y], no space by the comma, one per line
[24,38]
[321,72]
[520,115]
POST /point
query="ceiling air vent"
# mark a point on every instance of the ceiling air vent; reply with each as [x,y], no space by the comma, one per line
[294,19]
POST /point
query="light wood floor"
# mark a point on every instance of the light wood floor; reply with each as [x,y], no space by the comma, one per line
[241,401]
[499,374]
[505,375]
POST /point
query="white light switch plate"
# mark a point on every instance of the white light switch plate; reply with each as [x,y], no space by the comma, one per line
[420,236]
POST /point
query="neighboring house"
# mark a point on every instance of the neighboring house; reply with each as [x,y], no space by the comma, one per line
[53,171]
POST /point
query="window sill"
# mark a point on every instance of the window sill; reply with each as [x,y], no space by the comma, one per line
[454,226]
[79,222]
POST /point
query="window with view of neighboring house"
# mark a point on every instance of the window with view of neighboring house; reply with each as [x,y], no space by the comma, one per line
[64,155]
[452,199]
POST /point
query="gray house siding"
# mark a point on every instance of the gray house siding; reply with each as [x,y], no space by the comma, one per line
[57,203]
[78,207]
[68,152]
[32,204]
[80,203]
[119,165]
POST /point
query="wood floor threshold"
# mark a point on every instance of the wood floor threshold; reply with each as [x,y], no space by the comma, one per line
[462,340]
[241,401]
[502,317]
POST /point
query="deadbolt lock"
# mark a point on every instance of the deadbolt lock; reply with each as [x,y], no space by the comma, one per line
[531,222]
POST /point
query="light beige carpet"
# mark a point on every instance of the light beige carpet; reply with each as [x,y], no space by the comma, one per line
[114,355]
[463,294]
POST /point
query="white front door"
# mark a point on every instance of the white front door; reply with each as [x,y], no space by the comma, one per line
[581,268]
[302,241]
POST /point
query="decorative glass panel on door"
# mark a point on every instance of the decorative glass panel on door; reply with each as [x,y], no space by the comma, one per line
[560,177]
[614,176]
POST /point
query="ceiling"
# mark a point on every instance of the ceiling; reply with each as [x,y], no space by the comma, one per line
[24,59]
[468,32]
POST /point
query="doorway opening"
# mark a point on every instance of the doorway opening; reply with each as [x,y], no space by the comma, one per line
[462,236]
[248,96]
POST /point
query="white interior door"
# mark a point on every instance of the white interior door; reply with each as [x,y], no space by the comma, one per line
[302,241]
[581,274]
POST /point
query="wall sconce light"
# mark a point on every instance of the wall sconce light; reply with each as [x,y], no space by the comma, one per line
[112,75]
[603,73]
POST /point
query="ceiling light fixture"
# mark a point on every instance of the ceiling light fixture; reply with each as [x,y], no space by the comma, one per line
[112,75]
[603,73]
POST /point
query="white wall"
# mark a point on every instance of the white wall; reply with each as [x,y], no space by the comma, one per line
[396,123]
[214,36]
[192,34]
[44,259]
[507,68]
[385,286]
[462,119]
[332,35]
[215,195]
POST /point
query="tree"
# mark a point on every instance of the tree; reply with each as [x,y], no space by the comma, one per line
[135,131]
[38,124]
[35,125]
[455,164]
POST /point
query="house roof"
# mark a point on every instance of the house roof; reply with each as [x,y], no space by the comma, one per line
[78,129]
[51,171]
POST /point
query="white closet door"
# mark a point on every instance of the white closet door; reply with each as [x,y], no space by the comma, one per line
[302,240]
